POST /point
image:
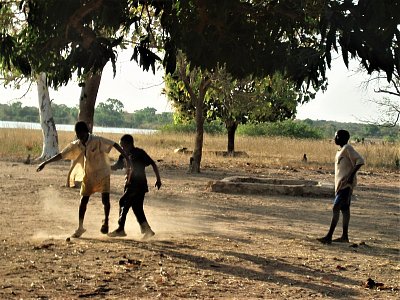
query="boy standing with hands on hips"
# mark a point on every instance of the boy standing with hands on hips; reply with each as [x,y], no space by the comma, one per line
[347,162]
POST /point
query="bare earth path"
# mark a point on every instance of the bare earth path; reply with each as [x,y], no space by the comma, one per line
[207,245]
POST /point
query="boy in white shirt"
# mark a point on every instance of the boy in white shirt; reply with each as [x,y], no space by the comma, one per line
[347,162]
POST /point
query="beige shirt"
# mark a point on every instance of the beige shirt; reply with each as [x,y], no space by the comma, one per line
[345,161]
[93,164]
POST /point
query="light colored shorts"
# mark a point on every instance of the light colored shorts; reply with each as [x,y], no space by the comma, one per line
[102,186]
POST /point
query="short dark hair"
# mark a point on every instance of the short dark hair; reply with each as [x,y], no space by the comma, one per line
[127,138]
[81,126]
[344,134]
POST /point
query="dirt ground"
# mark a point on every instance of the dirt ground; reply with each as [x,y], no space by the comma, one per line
[207,245]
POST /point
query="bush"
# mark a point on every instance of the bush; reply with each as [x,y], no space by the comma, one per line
[289,128]
[190,127]
[390,139]
[293,129]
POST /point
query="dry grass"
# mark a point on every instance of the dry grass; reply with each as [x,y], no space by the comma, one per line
[262,151]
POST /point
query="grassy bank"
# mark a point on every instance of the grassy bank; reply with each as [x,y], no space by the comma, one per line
[16,144]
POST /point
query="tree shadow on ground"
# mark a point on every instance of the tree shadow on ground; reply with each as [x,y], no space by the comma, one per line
[302,215]
[268,269]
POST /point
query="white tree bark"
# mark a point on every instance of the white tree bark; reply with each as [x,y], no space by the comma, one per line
[50,136]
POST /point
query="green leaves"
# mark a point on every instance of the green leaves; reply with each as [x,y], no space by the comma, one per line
[12,58]
[7,46]
[258,38]
[367,29]
[231,100]
[145,57]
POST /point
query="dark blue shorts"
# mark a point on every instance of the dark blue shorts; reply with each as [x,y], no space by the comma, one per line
[343,198]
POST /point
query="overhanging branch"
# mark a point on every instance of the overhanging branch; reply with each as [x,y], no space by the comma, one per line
[75,22]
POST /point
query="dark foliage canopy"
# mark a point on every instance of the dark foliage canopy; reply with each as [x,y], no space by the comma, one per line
[255,37]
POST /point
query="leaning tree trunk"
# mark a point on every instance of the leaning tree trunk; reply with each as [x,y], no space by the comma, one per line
[50,136]
[231,127]
[87,99]
[195,160]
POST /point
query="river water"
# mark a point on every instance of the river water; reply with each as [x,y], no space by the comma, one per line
[65,127]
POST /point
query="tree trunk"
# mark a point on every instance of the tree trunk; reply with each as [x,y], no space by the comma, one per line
[50,136]
[195,160]
[231,127]
[87,100]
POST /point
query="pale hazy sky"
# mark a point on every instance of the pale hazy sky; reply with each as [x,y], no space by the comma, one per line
[344,101]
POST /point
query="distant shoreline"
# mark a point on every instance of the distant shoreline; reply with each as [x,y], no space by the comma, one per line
[69,127]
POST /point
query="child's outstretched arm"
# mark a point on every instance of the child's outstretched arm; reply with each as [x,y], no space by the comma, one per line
[155,169]
[128,161]
[119,164]
[50,160]
[120,150]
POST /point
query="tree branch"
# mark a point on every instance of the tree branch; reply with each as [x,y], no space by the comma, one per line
[75,22]
[184,78]
[387,92]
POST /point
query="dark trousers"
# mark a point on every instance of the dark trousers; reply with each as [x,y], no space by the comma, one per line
[131,199]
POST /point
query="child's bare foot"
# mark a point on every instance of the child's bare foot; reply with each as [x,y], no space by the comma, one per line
[104,227]
[341,240]
[325,240]
[117,233]
[148,234]
[78,232]
[146,230]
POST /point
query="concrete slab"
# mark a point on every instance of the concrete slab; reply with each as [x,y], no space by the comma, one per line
[272,186]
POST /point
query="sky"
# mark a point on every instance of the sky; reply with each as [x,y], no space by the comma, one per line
[346,98]
[344,101]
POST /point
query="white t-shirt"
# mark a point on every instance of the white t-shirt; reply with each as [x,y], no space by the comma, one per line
[345,161]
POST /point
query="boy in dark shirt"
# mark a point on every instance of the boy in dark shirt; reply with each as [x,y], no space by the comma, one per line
[135,188]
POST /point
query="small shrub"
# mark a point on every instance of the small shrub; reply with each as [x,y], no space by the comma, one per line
[214,127]
[289,128]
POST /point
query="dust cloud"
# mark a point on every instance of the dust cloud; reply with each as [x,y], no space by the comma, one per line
[170,221]
[59,213]
[56,214]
